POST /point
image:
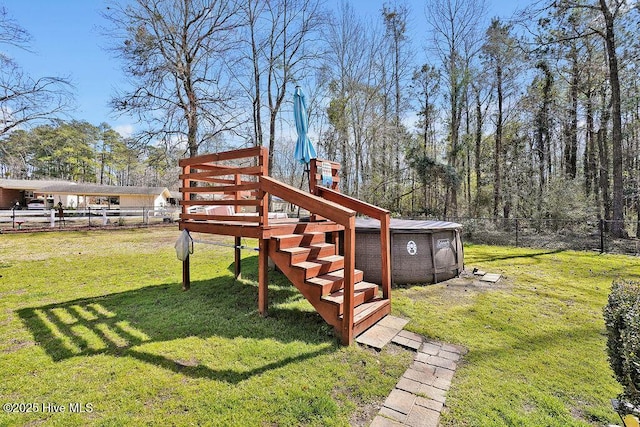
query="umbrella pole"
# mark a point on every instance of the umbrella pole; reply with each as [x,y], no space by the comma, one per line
[307,173]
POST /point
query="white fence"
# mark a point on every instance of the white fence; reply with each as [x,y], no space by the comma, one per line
[90,217]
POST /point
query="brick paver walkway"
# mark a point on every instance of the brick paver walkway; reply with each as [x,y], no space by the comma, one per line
[419,396]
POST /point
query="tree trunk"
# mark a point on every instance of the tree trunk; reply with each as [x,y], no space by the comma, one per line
[542,132]
[571,147]
[497,156]
[603,157]
[478,144]
[590,149]
[467,168]
[257,100]
[452,191]
[617,228]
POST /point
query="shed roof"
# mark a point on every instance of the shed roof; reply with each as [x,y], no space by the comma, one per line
[29,184]
[104,190]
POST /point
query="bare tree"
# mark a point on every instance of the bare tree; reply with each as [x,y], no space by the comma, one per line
[396,19]
[500,57]
[293,26]
[252,81]
[542,122]
[344,74]
[25,99]
[609,14]
[352,74]
[456,40]
[174,54]
[281,50]
[602,20]
[426,84]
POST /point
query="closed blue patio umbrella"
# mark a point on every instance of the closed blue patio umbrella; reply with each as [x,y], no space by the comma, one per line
[304,151]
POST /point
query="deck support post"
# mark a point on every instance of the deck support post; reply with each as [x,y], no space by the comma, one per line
[349,285]
[385,249]
[186,275]
[237,261]
[263,279]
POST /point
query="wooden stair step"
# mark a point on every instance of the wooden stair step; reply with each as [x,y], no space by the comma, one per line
[368,314]
[333,281]
[367,309]
[286,241]
[311,252]
[321,266]
[362,292]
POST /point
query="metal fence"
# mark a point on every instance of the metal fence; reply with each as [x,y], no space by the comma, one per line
[590,235]
[15,220]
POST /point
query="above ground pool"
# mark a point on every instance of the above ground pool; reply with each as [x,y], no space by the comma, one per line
[421,251]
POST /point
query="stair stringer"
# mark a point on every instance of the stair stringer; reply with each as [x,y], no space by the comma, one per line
[328,311]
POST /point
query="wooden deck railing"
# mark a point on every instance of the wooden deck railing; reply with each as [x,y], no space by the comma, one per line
[374,212]
[224,179]
[332,193]
[340,215]
[316,171]
[229,178]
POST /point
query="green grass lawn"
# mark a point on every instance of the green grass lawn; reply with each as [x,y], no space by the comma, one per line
[99,318]
[537,344]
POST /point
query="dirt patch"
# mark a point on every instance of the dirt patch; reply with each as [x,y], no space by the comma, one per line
[13,291]
[16,345]
[466,285]
[364,415]
[473,283]
[578,414]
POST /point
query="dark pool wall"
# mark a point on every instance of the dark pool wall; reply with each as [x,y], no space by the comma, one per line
[421,251]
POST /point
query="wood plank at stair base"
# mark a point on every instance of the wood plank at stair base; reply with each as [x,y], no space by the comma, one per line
[334,281]
[314,251]
[298,240]
[367,309]
[369,314]
[321,266]
[363,292]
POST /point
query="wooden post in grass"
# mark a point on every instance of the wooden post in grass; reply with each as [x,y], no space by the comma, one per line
[236,263]
[263,280]
[186,276]
[349,279]
[385,252]
[186,196]
[238,240]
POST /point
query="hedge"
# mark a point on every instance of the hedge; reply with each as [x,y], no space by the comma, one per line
[622,318]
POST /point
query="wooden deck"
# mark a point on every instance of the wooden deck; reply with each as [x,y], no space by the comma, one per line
[227,194]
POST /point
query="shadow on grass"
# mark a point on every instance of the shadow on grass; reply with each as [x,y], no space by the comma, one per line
[489,258]
[122,324]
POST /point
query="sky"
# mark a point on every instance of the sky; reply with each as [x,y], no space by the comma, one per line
[67,42]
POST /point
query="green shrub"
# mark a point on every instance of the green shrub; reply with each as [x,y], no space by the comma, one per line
[622,318]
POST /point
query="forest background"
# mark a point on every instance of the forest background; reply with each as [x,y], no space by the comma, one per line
[531,116]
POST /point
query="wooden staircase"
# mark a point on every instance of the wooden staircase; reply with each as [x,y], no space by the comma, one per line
[305,251]
[312,263]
